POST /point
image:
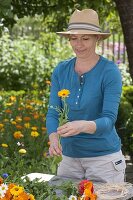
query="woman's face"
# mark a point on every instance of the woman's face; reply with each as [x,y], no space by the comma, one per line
[83,45]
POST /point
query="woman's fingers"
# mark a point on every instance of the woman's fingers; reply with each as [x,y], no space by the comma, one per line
[54,149]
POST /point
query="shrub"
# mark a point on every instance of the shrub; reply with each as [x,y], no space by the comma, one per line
[124,122]
[25,62]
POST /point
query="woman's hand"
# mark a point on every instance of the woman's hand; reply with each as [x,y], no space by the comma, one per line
[76,127]
[54,149]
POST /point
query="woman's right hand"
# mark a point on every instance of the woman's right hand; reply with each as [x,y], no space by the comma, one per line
[54,149]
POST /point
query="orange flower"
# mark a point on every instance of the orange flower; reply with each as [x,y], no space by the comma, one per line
[87,192]
[63,93]
[93,197]
[49,143]
[36,116]
[44,128]
[89,185]
[1,180]
[8,111]
[18,135]
[48,82]
[19,126]
[27,119]
[22,196]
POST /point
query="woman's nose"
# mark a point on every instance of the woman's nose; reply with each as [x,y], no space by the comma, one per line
[79,42]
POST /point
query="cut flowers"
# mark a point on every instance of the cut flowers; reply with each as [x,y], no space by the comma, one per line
[12,191]
[63,114]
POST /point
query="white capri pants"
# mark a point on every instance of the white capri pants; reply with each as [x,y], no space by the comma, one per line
[106,169]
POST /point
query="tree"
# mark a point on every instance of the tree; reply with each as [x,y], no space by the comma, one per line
[56,12]
[125,9]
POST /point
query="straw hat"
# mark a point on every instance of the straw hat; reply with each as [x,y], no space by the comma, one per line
[84,22]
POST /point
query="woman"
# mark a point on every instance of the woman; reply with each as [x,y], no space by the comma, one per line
[91,147]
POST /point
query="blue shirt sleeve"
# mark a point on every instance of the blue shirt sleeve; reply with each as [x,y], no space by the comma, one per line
[112,88]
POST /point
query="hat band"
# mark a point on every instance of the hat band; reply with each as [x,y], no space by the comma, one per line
[85,26]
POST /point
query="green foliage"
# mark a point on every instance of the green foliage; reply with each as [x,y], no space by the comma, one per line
[25,62]
[22,127]
[125,120]
[56,12]
[128,93]
[45,190]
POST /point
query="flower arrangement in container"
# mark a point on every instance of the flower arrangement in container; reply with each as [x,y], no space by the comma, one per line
[12,191]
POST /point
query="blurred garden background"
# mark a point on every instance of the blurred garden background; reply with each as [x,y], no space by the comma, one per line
[29,51]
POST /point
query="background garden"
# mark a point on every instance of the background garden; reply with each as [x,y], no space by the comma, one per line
[29,51]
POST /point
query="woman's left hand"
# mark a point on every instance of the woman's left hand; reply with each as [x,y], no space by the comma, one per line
[76,127]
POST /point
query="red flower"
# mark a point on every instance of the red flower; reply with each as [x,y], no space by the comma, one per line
[82,185]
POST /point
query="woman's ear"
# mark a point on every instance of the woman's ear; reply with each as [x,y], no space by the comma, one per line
[98,38]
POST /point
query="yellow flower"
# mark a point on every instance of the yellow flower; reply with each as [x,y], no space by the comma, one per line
[34,128]
[18,135]
[34,134]
[13,122]
[45,154]
[6,120]
[63,93]
[4,145]
[31,197]
[12,98]
[29,107]
[18,119]
[16,190]
[9,104]
[72,197]
[1,126]
[27,125]
[22,151]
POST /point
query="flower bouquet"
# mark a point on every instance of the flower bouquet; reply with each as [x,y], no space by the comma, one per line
[63,114]
[12,191]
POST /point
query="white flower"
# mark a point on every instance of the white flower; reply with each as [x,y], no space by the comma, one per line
[72,197]
[3,189]
[82,197]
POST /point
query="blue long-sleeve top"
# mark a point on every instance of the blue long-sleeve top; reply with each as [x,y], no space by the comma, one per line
[94,96]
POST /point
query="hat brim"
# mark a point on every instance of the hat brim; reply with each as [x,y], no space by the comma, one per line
[103,35]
